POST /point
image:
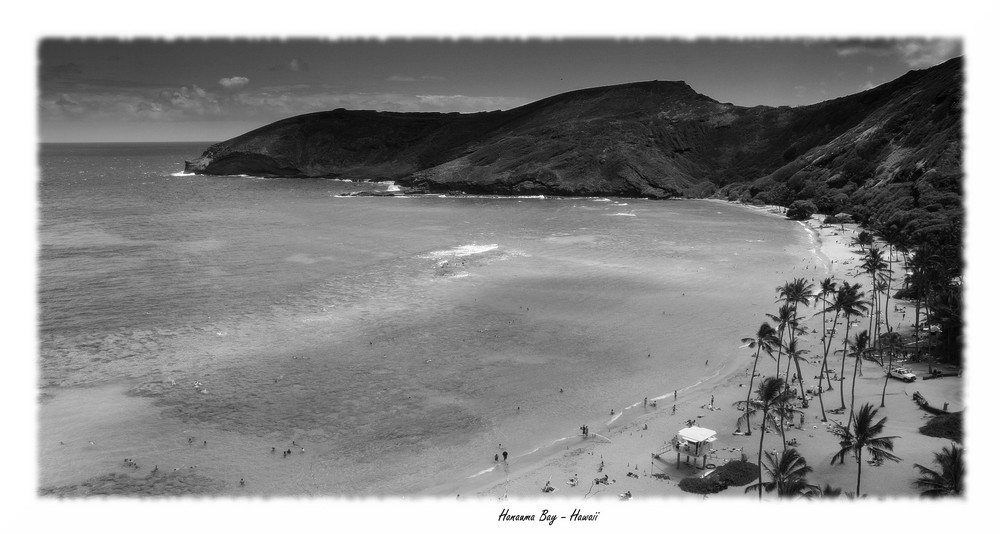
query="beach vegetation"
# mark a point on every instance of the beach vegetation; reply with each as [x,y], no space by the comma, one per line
[827,288]
[857,347]
[736,473]
[772,401]
[949,481]
[764,339]
[849,303]
[946,425]
[863,433]
[787,471]
[796,292]
[801,210]
[701,486]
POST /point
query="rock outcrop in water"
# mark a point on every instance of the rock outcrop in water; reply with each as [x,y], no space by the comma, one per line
[652,139]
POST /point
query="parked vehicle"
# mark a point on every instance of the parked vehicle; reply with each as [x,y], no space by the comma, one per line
[902,373]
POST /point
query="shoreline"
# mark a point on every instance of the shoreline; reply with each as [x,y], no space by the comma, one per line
[631,441]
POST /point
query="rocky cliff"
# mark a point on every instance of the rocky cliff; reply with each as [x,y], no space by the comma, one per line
[653,139]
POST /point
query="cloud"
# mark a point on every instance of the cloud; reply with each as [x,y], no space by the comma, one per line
[163,104]
[191,102]
[915,53]
[923,54]
[409,79]
[235,82]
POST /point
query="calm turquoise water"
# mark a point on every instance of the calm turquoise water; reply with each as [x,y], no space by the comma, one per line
[400,340]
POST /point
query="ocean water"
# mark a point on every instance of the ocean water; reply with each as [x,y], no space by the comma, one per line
[191,323]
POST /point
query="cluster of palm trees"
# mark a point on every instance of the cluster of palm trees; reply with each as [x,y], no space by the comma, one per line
[774,400]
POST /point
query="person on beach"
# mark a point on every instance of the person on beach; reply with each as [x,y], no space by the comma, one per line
[505,456]
[712,403]
[673,410]
[496,457]
[675,394]
[645,400]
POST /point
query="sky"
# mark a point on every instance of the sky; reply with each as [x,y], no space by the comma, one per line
[102,90]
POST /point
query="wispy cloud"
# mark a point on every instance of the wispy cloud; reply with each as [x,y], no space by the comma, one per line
[410,79]
[915,53]
[234,83]
[267,103]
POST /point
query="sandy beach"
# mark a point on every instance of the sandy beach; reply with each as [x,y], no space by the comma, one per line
[623,447]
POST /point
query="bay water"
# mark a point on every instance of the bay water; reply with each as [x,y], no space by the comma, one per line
[191,323]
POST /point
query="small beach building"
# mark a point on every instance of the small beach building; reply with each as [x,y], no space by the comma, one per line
[694,441]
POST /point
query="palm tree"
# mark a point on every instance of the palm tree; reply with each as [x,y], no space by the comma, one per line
[873,265]
[795,354]
[863,435]
[880,287]
[863,240]
[848,300]
[795,292]
[764,339]
[857,349]
[894,341]
[826,288]
[788,471]
[772,400]
[949,480]
[786,321]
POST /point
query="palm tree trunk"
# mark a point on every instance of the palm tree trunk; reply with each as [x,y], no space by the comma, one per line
[827,342]
[843,361]
[826,349]
[760,458]
[750,387]
[871,311]
[819,390]
[802,388]
[777,370]
[854,380]
[857,490]
[886,384]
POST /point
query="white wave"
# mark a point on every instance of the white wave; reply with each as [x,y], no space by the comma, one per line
[182,173]
[393,187]
[602,200]
[462,251]
[620,214]
[483,472]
